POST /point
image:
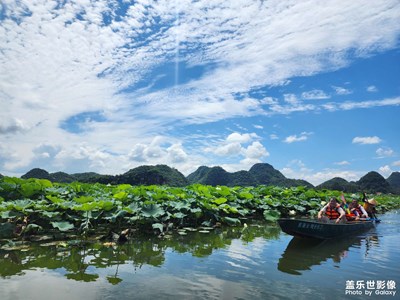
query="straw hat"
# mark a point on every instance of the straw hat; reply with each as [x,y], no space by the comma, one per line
[372,201]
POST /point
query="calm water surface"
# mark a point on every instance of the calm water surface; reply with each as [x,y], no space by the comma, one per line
[259,262]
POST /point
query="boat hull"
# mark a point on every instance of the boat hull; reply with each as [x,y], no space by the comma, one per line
[318,230]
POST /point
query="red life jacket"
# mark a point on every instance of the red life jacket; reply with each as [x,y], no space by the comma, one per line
[332,213]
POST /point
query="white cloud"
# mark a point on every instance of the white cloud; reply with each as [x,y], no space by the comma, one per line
[291,99]
[176,154]
[341,90]
[384,152]
[372,89]
[273,136]
[245,147]
[256,151]
[366,140]
[241,138]
[367,104]
[258,127]
[385,171]
[12,126]
[396,163]
[294,138]
[342,163]
[314,95]
[298,170]
[233,148]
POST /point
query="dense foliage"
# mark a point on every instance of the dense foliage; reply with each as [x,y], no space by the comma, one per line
[34,205]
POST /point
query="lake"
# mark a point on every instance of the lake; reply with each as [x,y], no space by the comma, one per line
[253,262]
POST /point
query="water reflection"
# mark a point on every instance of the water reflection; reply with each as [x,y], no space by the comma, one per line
[82,261]
[302,254]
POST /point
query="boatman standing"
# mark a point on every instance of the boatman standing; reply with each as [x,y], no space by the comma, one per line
[332,212]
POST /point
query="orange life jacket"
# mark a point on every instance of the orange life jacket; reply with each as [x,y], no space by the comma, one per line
[332,213]
[350,217]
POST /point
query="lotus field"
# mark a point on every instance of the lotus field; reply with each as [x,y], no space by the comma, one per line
[38,206]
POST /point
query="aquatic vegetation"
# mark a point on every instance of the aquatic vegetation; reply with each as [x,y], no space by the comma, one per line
[35,206]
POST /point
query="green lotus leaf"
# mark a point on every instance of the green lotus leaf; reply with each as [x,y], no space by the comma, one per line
[22,204]
[121,195]
[83,199]
[152,211]
[131,208]
[50,214]
[246,195]
[85,206]
[231,221]
[30,188]
[271,215]
[220,201]
[159,226]
[179,215]
[62,226]
[106,205]
[113,280]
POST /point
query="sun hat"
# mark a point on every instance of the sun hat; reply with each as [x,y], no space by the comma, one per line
[372,201]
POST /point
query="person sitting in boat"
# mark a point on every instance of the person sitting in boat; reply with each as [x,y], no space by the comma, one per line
[357,210]
[333,212]
[370,207]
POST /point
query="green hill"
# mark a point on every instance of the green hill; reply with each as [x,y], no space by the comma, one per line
[62,177]
[209,176]
[198,175]
[37,173]
[267,174]
[242,178]
[149,175]
[339,184]
[261,173]
[374,182]
[394,181]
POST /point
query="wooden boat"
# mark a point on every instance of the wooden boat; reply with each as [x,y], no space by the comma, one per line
[318,230]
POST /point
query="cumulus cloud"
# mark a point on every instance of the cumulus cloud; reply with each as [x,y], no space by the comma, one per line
[297,138]
[342,163]
[273,136]
[396,163]
[341,90]
[314,95]
[384,152]
[244,146]
[12,126]
[298,170]
[385,171]
[241,138]
[367,140]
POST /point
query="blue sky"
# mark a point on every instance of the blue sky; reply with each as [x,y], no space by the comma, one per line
[311,88]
